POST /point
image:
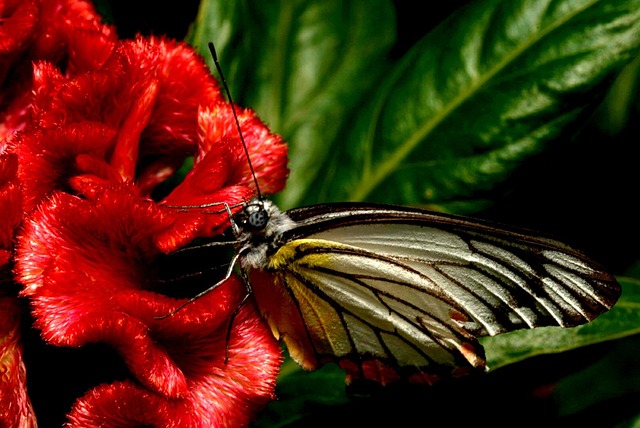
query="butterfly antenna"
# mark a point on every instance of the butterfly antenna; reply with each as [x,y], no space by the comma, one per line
[212,49]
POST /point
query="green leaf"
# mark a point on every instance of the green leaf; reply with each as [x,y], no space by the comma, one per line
[618,106]
[612,377]
[302,65]
[633,422]
[446,125]
[621,321]
[490,87]
[301,394]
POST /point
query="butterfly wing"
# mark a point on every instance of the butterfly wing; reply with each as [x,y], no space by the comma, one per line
[392,292]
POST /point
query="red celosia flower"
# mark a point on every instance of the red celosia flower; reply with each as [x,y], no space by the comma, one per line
[89,267]
[150,91]
[219,394]
[137,119]
[160,104]
[64,32]
[94,129]
[92,251]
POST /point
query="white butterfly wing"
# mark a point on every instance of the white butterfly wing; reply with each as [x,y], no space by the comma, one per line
[501,285]
[395,293]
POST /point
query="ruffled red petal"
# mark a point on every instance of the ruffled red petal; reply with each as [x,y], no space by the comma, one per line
[73,30]
[87,266]
[219,394]
[267,151]
[67,33]
[222,174]
[150,90]
[48,159]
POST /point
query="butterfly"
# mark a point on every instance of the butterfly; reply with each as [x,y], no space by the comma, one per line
[391,292]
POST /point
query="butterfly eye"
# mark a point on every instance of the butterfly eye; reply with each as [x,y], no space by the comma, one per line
[258,218]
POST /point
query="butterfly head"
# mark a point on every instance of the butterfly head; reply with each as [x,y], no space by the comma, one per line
[261,226]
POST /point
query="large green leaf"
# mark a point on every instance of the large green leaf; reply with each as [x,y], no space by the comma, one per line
[490,87]
[447,125]
[302,65]
[621,321]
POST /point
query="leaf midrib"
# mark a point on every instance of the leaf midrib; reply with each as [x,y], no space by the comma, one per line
[367,184]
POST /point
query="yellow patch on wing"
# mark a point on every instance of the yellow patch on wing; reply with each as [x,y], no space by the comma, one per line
[284,258]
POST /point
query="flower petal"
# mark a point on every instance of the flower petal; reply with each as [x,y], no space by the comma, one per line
[47,158]
[67,33]
[150,90]
[219,394]
[267,151]
[87,265]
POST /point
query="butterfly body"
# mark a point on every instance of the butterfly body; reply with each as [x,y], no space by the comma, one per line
[394,292]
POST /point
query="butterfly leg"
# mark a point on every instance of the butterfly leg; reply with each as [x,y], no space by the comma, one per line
[249,290]
[234,260]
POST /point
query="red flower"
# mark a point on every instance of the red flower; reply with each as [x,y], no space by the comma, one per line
[64,32]
[149,89]
[88,266]
[92,251]
[90,152]
[144,133]
[219,395]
